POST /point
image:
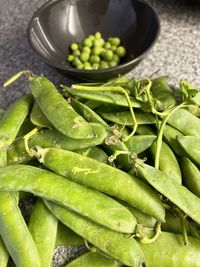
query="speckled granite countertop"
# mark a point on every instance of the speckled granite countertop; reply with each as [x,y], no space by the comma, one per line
[176,53]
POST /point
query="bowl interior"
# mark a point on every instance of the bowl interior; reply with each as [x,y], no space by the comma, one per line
[60,22]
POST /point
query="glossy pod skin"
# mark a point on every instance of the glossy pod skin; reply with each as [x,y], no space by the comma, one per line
[104,178]
[52,138]
[176,193]
[57,110]
[43,228]
[93,259]
[90,203]
[169,251]
[191,176]
[185,122]
[116,245]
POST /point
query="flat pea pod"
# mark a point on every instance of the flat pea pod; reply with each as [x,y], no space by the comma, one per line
[114,244]
[38,118]
[52,138]
[94,153]
[90,203]
[43,228]
[190,144]
[104,178]
[13,119]
[93,259]
[17,240]
[88,114]
[105,97]
[176,193]
[170,135]
[168,250]
[124,117]
[139,143]
[185,122]
[168,162]
[57,110]
[145,130]
[191,175]
[66,237]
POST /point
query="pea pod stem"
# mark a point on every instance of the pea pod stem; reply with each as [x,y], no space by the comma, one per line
[17,76]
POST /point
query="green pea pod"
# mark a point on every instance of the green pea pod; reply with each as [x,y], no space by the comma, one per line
[168,250]
[185,122]
[170,135]
[104,178]
[124,117]
[43,228]
[176,193]
[52,138]
[13,119]
[58,111]
[191,176]
[161,90]
[105,97]
[93,259]
[38,118]
[66,237]
[190,144]
[88,114]
[168,162]
[90,203]
[26,127]
[94,153]
[145,130]
[114,244]
[4,255]
[139,143]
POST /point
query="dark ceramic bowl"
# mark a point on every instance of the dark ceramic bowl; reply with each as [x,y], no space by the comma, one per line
[58,23]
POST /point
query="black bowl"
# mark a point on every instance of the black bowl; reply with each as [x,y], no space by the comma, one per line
[58,23]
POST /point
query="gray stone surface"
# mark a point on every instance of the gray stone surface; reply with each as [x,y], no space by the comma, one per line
[176,53]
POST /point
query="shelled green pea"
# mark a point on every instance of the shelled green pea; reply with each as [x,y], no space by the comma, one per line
[94,52]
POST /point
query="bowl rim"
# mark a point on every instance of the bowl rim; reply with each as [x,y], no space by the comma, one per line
[102,71]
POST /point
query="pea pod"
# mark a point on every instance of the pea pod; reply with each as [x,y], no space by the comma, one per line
[93,259]
[185,122]
[168,250]
[58,111]
[191,176]
[43,228]
[190,144]
[104,178]
[4,255]
[13,119]
[38,118]
[90,203]
[168,162]
[52,138]
[94,153]
[116,245]
[176,193]
[139,143]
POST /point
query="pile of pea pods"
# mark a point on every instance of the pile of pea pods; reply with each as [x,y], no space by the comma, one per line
[112,165]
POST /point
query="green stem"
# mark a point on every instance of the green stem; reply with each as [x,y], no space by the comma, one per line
[147,240]
[26,138]
[17,76]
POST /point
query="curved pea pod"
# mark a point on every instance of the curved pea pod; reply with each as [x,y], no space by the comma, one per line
[191,145]
[88,114]
[105,97]
[57,110]
[43,228]
[176,193]
[168,250]
[168,162]
[4,255]
[139,143]
[17,240]
[38,118]
[145,130]
[104,178]
[93,259]
[170,135]
[66,237]
[90,203]
[114,244]
[124,117]
[191,176]
[162,91]
[13,119]
[52,138]
[185,122]
[94,153]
